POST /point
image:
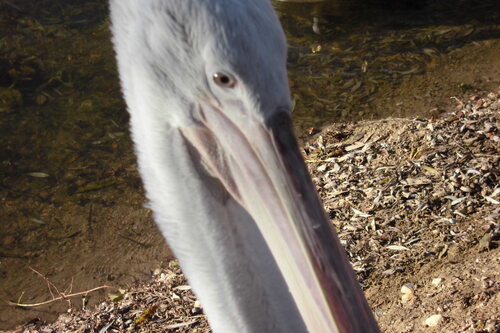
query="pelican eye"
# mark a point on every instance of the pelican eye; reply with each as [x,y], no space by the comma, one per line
[224,80]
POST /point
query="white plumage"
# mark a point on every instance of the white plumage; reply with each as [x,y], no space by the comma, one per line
[206,85]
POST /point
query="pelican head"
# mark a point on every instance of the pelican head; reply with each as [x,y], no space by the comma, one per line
[206,85]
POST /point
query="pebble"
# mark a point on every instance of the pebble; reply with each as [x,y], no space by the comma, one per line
[197,309]
[407,291]
[436,281]
[434,320]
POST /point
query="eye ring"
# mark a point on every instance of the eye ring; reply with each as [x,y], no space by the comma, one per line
[224,80]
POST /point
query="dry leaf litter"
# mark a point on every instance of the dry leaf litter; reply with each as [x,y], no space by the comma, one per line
[391,186]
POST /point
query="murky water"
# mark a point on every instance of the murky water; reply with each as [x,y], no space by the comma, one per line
[345,54]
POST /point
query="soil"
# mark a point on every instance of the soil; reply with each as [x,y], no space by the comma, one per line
[414,201]
[422,234]
[473,67]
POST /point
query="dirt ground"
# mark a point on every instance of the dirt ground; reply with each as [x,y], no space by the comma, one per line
[475,66]
[415,203]
[72,206]
[422,231]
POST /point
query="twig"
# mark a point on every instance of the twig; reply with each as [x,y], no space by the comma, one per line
[30,305]
[21,296]
[62,296]
[49,284]
[179,325]
[69,289]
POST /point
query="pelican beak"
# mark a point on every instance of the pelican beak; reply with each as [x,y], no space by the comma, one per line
[260,165]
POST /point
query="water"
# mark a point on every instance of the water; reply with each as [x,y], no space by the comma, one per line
[344,55]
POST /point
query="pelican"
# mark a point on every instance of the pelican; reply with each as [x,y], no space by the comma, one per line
[206,86]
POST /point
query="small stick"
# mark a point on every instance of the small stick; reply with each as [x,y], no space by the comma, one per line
[70,289]
[28,305]
[62,296]
[21,296]
[49,284]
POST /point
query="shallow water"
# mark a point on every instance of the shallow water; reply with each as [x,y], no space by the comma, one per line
[344,55]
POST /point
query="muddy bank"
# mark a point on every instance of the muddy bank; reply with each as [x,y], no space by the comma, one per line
[415,203]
